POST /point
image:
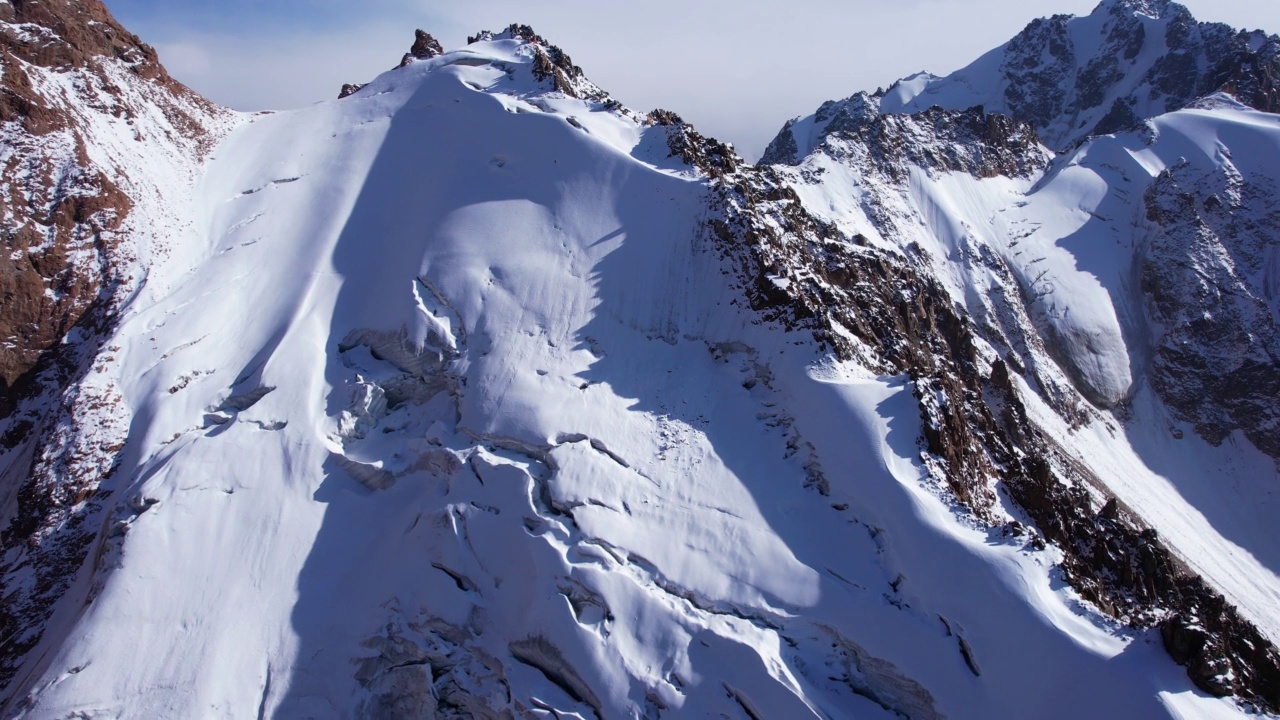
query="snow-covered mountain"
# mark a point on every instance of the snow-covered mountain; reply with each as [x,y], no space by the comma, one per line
[475,393]
[1108,71]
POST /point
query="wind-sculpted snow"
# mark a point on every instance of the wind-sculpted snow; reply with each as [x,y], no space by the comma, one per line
[464,410]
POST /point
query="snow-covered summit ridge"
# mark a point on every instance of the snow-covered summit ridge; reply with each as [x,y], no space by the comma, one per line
[1128,60]
[517,43]
[538,76]
[1154,9]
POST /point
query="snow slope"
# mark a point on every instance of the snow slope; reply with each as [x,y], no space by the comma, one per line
[100,150]
[1075,239]
[456,410]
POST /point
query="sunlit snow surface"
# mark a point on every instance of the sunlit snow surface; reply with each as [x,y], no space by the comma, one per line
[1073,237]
[454,375]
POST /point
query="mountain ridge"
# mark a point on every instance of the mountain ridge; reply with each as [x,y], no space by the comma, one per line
[465,413]
[1109,88]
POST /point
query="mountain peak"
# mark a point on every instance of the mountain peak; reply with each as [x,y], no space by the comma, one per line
[514,31]
[1126,62]
[549,61]
[1154,9]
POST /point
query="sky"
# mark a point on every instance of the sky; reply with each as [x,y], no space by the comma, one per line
[736,69]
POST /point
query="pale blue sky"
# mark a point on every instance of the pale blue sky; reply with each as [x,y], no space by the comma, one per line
[737,69]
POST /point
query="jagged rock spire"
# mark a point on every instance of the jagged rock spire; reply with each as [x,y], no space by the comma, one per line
[514,31]
[349,89]
[424,47]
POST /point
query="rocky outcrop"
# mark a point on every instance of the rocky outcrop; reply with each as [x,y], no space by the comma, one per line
[693,148]
[1253,78]
[1038,64]
[424,47]
[1208,276]
[551,65]
[868,306]
[970,141]
[58,252]
[60,210]
[69,34]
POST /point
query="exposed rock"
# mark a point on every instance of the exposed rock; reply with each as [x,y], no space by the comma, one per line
[73,34]
[349,89]
[424,47]
[550,63]
[707,154]
[1039,62]
[1205,273]
[970,141]
[514,31]
[61,209]
[555,65]
[783,149]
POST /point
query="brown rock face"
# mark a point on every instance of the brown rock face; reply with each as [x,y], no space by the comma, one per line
[74,33]
[692,147]
[424,47]
[43,292]
[58,206]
